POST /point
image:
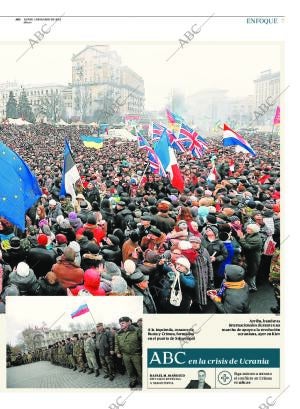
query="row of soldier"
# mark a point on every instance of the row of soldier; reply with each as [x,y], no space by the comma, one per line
[109,349]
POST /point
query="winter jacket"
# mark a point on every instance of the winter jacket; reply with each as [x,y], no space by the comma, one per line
[112,253]
[122,218]
[45,288]
[68,274]
[14,256]
[217,247]
[104,343]
[235,299]
[91,283]
[252,245]
[164,222]
[98,233]
[26,285]
[41,260]
[129,342]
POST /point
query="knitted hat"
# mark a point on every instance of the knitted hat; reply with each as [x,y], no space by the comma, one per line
[195,239]
[42,240]
[118,284]
[214,229]
[184,245]
[75,246]
[22,269]
[183,262]
[129,267]
[61,239]
[155,231]
[52,202]
[72,216]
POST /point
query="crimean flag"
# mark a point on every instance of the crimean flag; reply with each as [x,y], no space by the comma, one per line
[92,141]
[82,309]
[276,120]
[70,173]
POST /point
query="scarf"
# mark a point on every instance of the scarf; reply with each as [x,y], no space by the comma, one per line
[234,285]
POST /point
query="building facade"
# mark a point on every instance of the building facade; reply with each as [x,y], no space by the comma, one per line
[267,88]
[99,80]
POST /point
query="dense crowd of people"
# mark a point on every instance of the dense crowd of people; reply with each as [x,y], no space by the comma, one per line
[108,350]
[130,233]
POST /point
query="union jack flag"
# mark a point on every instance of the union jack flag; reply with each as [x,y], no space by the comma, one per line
[154,163]
[158,130]
[192,141]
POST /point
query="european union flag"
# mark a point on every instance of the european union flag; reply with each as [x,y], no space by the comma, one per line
[19,189]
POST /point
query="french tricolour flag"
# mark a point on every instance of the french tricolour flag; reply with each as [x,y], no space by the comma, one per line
[232,138]
[167,158]
[83,309]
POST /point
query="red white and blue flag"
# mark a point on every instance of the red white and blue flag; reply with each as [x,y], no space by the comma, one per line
[232,138]
[154,162]
[83,309]
[167,158]
[192,141]
[158,130]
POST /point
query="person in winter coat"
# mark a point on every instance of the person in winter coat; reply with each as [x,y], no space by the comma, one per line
[15,254]
[203,272]
[216,250]
[139,284]
[111,250]
[164,222]
[128,345]
[107,215]
[123,216]
[68,274]
[91,283]
[91,193]
[49,285]
[23,277]
[75,222]
[10,290]
[91,225]
[252,245]
[233,296]
[39,258]
[54,211]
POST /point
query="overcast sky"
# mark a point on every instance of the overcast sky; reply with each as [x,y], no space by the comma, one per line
[196,66]
[35,311]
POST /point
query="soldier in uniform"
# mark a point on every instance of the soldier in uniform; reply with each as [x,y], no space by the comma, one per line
[78,352]
[69,354]
[90,349]
[105,346]
[128,345]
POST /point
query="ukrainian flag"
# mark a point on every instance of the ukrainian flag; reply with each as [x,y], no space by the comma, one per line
[92,141]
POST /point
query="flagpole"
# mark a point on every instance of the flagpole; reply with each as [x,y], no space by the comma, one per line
[143,175]
[92,317]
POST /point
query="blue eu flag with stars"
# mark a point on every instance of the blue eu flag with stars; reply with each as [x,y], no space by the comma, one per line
[19,189]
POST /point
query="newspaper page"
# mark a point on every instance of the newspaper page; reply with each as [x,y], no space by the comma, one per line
[140,201]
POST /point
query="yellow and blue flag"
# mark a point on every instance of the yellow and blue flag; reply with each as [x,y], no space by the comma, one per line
[92,141]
